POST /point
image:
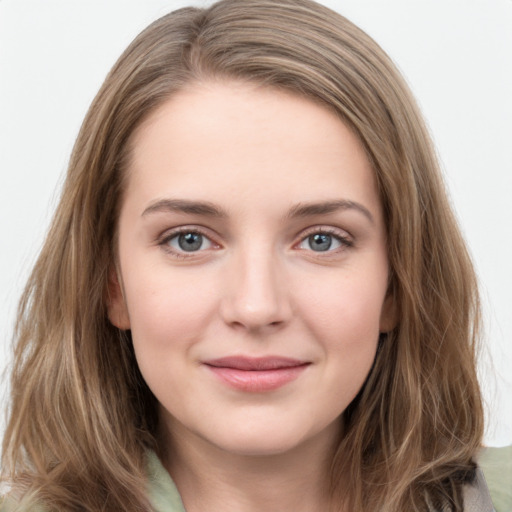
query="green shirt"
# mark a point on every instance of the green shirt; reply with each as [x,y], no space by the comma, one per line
[163,495]
[496,464]
[162,492]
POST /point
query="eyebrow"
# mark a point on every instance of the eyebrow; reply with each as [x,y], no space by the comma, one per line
[327,207]
[208,209]
[185,206]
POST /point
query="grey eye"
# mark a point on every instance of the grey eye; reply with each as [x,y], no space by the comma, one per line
[189,242]
[321,242]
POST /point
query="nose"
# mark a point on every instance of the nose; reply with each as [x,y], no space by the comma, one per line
[256,296]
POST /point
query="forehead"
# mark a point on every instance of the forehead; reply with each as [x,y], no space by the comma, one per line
[235,141]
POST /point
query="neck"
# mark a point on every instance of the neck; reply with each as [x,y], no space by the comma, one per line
[210,478]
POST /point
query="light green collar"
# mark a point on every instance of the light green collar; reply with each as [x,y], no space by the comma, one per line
[161,489]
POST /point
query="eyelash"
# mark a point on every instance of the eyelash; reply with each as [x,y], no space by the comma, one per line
[345,240]
[168,236]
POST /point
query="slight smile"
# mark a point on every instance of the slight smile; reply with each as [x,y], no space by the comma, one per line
[256,375]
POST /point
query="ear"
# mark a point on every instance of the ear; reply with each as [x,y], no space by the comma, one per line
[116,304]
[389,314]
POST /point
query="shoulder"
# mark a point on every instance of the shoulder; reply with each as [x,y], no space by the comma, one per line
[162,492]
[496,464]
[476,495]
[8,504]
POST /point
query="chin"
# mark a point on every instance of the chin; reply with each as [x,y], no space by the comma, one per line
[257,445]
[269,439]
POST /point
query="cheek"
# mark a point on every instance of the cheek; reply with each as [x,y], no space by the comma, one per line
[343,316]
[346,309]
[168,310]
[344,321]
[169,315]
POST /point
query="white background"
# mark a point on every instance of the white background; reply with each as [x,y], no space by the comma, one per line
[456,55]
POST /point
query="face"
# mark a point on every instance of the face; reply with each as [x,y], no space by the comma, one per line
[252,266]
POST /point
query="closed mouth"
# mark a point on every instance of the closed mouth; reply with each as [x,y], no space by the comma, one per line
[255,363]
[256,375]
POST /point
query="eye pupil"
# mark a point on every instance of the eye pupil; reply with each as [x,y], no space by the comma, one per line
[190,241]
[320,242]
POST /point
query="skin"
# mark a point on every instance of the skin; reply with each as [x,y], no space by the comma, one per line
[257,286]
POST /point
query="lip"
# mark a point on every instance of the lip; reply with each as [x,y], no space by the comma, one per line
[256,374]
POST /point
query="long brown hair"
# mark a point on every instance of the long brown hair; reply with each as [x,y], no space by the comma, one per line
[81,416]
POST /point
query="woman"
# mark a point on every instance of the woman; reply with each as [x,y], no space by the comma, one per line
[253,280]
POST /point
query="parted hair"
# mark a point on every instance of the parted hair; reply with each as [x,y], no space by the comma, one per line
[81,417]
